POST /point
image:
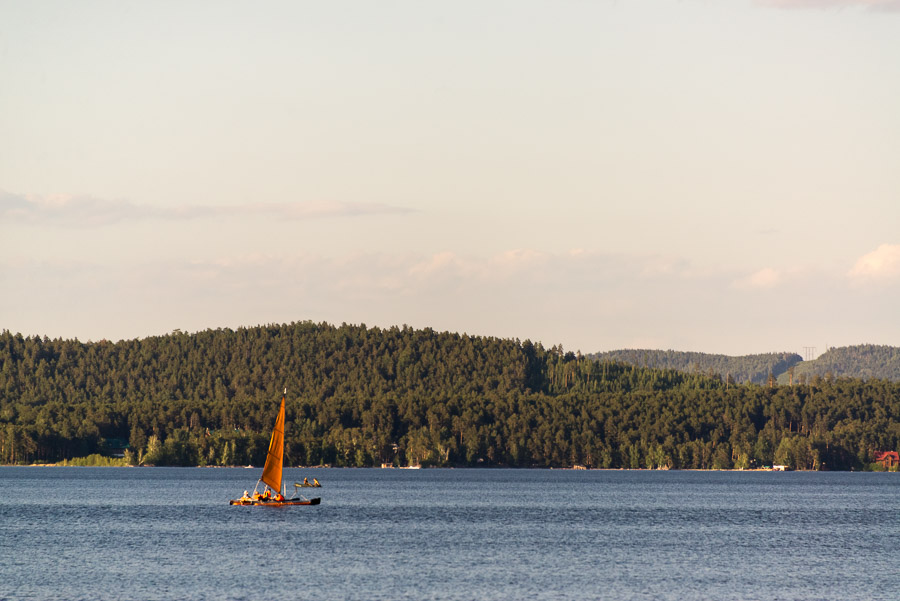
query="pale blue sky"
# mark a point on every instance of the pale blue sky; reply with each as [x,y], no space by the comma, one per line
[718,176]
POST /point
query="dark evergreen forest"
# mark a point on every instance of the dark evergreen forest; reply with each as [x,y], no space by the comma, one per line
[361,396]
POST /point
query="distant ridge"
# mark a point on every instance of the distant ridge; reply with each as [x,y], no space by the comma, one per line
[746,368]
[865,361]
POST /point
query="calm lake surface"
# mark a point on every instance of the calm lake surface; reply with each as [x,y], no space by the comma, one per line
[169,533]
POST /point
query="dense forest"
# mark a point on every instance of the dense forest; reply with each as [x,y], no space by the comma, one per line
[361,396]
[757,369]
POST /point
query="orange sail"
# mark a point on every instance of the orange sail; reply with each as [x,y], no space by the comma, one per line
[275,458]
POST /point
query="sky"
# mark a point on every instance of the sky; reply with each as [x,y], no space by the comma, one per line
[714,176]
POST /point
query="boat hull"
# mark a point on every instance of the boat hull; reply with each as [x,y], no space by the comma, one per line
[286,502]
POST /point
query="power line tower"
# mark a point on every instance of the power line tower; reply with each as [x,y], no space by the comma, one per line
[809,352]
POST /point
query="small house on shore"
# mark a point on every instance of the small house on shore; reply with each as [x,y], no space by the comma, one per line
[888,459]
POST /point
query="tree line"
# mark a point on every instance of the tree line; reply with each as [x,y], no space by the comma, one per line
[360,396]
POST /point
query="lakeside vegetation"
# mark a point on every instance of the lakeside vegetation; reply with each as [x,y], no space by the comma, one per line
[95,460]
[361,396]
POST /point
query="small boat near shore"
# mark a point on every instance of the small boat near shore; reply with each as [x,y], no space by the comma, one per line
[307,484]
[273,494]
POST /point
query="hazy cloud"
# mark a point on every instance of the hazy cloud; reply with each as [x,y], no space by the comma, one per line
[89,211]
[583,300]
[882,263]
[764,278]
[876,5]
[70,210]
[440,263]
[536,267]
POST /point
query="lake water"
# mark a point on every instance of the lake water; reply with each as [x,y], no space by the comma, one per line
[169,534]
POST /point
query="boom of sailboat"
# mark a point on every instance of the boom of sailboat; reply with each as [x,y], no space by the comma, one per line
[273,493]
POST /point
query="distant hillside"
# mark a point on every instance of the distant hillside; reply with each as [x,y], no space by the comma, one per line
[864,361]
[362,397]
[747,368]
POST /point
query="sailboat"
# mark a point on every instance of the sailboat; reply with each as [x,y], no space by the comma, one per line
[273,492]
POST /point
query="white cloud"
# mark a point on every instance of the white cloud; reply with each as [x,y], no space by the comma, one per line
[882,263]
[89,211]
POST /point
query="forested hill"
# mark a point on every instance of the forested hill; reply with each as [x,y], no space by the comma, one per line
[361,396]
[747,368]
[859,361]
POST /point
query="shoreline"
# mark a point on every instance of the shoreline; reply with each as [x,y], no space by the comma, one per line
[314,467]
